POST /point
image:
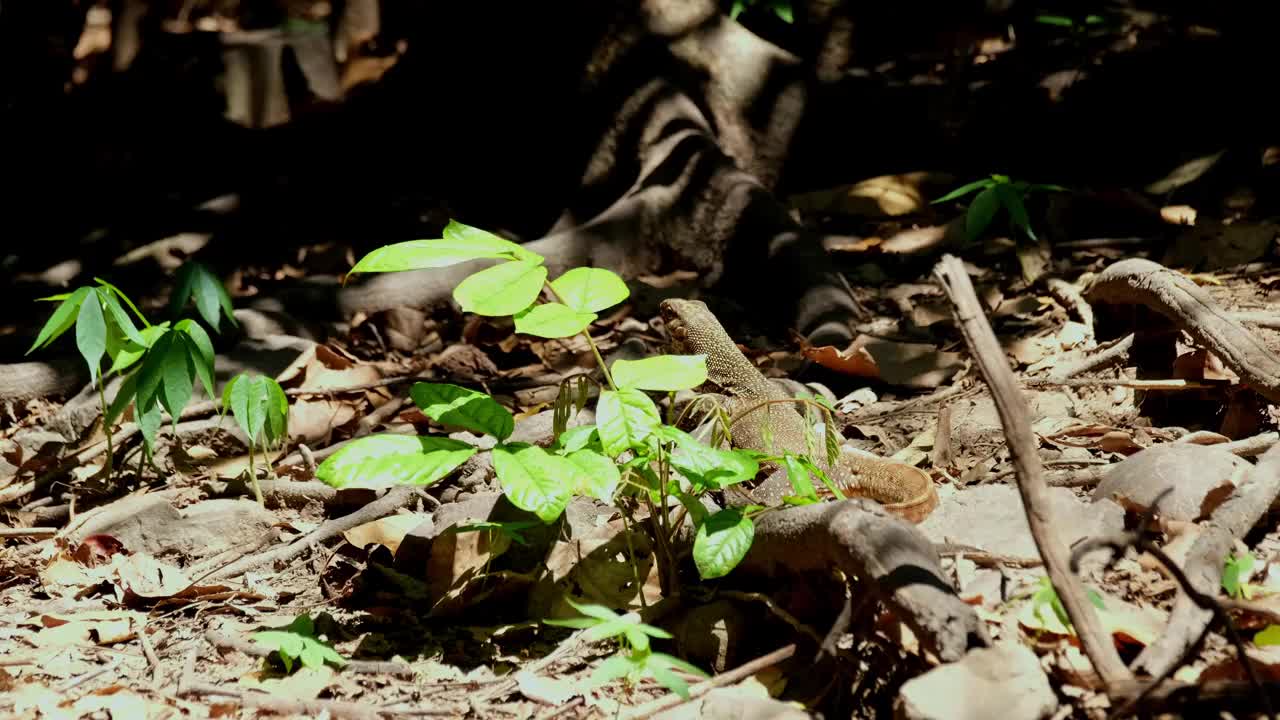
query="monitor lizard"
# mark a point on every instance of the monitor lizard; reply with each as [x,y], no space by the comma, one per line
[903,489]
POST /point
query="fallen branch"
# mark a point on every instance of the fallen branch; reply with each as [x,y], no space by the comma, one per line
[395,499]
[889,554]
[1015,419]
[1138,281]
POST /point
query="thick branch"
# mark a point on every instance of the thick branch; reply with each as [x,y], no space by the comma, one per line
[1016,420]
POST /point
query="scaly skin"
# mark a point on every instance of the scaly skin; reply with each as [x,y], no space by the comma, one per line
[693,329]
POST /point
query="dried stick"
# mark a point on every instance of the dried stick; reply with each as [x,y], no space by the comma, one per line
[1015,419]
[726,678]
[395,499]
[1102,357]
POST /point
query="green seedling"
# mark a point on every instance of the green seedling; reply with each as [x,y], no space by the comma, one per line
[103,329]
[1234,573]
[1046,597]
[628,453]
[996,192]
[634,659]
[298,641]
[780,8]
[212,301]
[261,410]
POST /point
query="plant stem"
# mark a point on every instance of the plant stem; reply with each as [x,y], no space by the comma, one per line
[102,399]
[586,333]
[253,475]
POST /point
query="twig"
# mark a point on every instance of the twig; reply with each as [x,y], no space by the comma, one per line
[773,608]
[1102,357]
[288,706]
[726,678]
[149,652]
[73,684]
[1171,384]
[1015,419]
[28,532]
[395,499]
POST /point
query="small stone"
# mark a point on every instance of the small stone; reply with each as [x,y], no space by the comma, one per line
[1005,681]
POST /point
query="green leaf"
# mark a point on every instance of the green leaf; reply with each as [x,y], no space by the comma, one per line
[125,395]
[197,281]
[593,610]
[782,9]
[578,438]
[1270,635]
[1055,20]
[246,405]
[125,355]
[707,466]
[615,667]
[535,480]
[387,460]
[298,640]
[504,289]
[625,418]
[424,254]
[589,290]
[201,350]
[981,211]
[552,320]
[798,474]
[178,374]
[1012,201]
[599,476]
[722,541]
[277,411]
[1049,188]
[148,417]
[91,334]
[964,190]
[666,373]
[64,316]
[465,235]
[151,374]
[125,299]
[462,407]
[119,317]
[1234,570]
[668,679]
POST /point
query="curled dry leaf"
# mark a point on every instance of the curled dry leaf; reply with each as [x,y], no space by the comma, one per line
[387,532]
[917,365]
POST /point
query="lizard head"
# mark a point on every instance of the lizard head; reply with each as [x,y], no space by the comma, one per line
[677,315]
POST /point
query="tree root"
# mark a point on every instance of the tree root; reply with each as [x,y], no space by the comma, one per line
[1138,281]
[864,541]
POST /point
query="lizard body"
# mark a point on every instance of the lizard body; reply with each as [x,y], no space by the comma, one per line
[903,489]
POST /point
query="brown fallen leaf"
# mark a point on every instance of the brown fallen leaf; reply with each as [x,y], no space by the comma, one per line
[917,365]
[387,532]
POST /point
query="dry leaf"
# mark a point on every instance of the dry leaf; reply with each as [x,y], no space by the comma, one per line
[1178,214]
[918,365]
[387,532]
